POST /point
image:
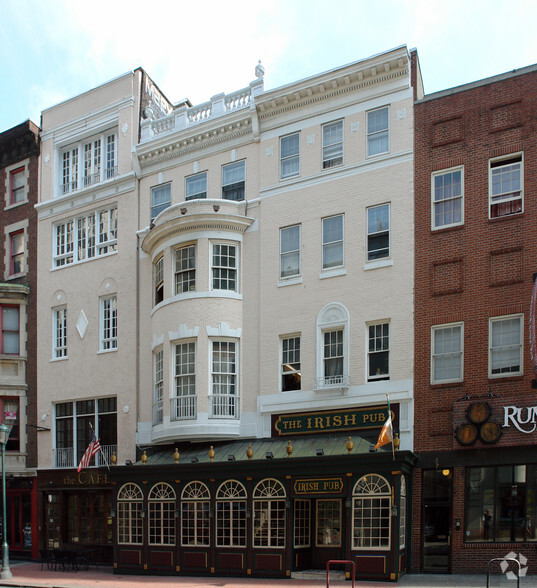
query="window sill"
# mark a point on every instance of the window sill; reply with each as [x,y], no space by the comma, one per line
[15,276]
[506,377]
[506,217]
[15,204]
[59,267]
[290,281]
[371,265]
[445,228]
[55,359]
[332,273]
[105,351]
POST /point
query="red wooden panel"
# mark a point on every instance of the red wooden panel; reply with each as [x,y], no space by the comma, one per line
[130,557]
[269,562]
[161,559]
[370,564]
[195,559]
[230,561]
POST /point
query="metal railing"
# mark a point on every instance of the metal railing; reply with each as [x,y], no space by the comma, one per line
[64,457]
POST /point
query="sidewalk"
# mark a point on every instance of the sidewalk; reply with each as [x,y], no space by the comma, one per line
[30,575]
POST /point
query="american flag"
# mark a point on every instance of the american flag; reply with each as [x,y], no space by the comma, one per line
[93,448]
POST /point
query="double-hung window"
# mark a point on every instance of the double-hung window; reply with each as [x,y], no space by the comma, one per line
[184,401]
[10,415]
[185,269]
[333,356]
[224,267]
[290,156]
[85,237]
[16,244]
[447,353]
[196,186]
[17,186]
[82,164]
[290,367]
[378,352]
[378,232]
[9,323]
[233,176]
[158,277]
[505,346]
[333,241]
[290,252]
[333,144]
[160,199]
[506,186]
[59,332]
[108,323]
[158,386]
[447,198]
[224,400]
[378,135]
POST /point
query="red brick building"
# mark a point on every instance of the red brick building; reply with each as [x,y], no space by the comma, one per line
[475,483]
[19,155]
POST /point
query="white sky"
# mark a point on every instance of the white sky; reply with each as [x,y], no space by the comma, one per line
[51,50]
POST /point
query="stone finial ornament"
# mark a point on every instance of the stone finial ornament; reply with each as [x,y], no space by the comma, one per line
[259,70]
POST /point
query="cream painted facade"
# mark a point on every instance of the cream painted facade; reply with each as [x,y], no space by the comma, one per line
[211,353]
[87,221]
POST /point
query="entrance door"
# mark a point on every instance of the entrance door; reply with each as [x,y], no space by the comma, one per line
[328,532]
[436,519]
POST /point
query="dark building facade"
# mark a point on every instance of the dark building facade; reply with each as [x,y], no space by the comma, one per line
[19,155]
[475,482]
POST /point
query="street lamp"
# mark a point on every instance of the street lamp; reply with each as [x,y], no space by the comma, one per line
[5,574]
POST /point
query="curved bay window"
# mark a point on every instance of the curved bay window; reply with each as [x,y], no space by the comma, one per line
[231,515]
[371,510]
[130,503]
[161,505]
[269,514]
[195,505]
[500,504]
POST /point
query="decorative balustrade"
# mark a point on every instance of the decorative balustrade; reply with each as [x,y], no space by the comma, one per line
[183,407]
[64,457]
[331,382]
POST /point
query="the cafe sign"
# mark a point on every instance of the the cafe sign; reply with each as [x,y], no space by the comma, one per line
[330,421]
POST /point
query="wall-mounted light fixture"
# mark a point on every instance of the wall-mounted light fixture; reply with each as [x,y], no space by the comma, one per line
[231,457]
[268,455]
[194,460]
[128,462]
[142,514]
[394,510]
[319,452]
[183,210]
[216,208]
[176,513]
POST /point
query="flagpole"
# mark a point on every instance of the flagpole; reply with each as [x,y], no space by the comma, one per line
[102,452]
[389,415]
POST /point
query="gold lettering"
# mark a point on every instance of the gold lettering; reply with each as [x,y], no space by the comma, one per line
[319,423]
[350,419]
[337,420]
[309,424]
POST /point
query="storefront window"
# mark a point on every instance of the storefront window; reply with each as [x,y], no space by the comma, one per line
[87,518]
[269,514]
[129,515]
[302,523]
[402,514]
[501,503]
[231,515]
[328,523]
[371,511]
[195,507]
[161,515]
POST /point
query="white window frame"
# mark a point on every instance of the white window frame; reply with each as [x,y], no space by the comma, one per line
[83,238]
[269,503]
[330,243]
[448,197]
[289,160]
[164,194]
[81,167]
[59,332]
[499,168]
[234,178]
[332,317]
[195,515]
[373,232]
[231,520]
[374,134]
[130,504]
[495,348]
[436,357]
[184,398]
[372,352]
[332,146]
[289,354]
[158,280]
[185,268]
[158,386]
[288,252]
[222,274]
[371,503]
[108,340]
[161,514]
[192,191]
[224,405]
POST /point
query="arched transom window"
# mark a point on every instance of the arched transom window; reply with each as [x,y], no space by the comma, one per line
[195,508]
[231,515]
[130,502]
[269,514]
[371,511]
[161,503]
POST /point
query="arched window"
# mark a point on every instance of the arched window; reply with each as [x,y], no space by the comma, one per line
[161,503]
[231,515]
[195,508]
[402,514]
[269,514]
[130,503]
[371,512]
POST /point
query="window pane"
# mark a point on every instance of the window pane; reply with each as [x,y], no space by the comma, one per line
[160,199]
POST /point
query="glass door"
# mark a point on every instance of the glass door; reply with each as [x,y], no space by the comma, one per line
[436,519]
[328,532]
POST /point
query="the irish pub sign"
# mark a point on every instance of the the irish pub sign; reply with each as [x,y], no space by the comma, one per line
[353,419]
